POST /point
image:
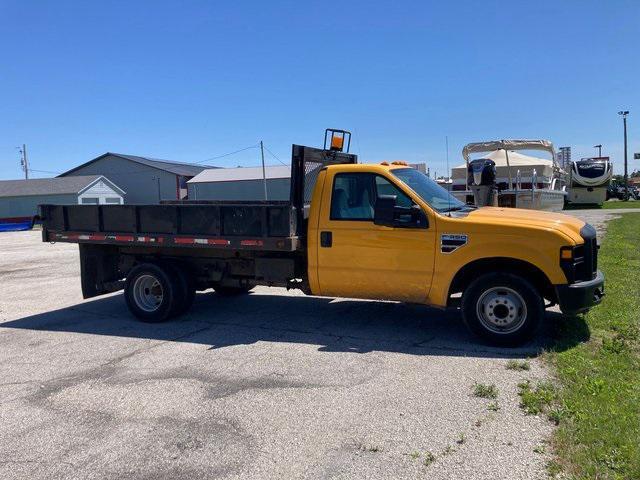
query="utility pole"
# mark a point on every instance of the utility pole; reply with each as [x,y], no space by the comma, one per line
[24,161]
[624,114]
[264,172]
[599,147]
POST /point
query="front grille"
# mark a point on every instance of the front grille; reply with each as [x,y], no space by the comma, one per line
[587,268]
[594,257]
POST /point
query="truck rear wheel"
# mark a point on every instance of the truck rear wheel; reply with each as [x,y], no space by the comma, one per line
[502,308]
[152,293]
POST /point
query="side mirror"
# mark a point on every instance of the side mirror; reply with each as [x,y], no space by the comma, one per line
[388,214]
[384,211]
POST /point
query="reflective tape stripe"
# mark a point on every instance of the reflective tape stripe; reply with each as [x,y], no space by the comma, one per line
[219,241]
[181,240]
[146,239]
[150,239]
[200,241]
[251,243]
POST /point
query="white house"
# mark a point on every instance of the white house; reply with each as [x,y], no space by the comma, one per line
[20,198]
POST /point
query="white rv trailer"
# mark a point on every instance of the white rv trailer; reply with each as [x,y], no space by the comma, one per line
[590,178]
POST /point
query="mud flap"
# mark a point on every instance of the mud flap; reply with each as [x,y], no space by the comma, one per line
[99,270]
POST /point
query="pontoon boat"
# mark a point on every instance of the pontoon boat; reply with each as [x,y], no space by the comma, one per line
[522,181]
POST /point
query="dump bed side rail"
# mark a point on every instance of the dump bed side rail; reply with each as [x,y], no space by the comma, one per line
[229,226]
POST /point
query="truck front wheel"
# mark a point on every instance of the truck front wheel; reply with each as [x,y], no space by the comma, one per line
[151,293]
[502,308]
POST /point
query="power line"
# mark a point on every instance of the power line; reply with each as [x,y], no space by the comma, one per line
[135,172]
[357,139]
[226,154]
[275,156]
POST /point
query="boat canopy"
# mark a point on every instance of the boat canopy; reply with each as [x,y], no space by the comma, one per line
[508,148]
[512,145]
[518,161]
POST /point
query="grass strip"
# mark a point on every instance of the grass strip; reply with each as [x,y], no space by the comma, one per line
[598,402]
[619,204]
[610,204]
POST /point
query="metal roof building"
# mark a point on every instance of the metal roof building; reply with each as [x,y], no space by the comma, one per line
[247,183]
[242,183]
[20,198]
[146,180]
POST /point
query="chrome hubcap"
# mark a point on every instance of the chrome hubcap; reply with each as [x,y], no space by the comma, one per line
[501,310]
[148,293]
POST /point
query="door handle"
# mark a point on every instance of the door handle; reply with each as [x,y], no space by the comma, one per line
[326,239]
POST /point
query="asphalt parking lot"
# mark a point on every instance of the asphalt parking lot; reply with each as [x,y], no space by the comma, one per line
[269,385]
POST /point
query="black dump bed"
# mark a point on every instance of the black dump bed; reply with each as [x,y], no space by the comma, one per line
[262,225]
[237,226]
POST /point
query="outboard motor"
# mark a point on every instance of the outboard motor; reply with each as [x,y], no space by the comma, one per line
[482,181]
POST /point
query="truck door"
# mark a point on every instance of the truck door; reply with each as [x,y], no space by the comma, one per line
[361,260]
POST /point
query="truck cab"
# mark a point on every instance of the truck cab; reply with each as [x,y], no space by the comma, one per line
[388,232]
[371,231]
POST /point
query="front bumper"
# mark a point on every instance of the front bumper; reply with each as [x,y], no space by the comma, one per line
[580,296]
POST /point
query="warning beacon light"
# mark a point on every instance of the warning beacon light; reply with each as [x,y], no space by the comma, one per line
[336,139]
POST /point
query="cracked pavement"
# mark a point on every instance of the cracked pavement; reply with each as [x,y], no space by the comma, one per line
[269,385]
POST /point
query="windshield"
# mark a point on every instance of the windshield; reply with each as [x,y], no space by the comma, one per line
[432,193]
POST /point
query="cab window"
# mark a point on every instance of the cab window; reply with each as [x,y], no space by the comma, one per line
[385,187]
[353,196]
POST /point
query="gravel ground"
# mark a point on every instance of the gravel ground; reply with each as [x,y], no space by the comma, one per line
[599,217]
[269,385]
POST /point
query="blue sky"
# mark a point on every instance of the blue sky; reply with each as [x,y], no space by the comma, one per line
[190,80]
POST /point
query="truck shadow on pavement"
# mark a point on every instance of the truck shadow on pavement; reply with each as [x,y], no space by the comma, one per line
[334,325]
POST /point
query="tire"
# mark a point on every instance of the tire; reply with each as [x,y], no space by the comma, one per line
[502,308]
[152,292]
[232,291]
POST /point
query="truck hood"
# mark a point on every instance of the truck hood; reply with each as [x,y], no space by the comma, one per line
[566,224]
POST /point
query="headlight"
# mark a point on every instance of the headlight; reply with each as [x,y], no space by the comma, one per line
[571,261]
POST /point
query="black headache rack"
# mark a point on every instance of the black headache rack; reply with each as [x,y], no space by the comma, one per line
[306,164]
[259,225]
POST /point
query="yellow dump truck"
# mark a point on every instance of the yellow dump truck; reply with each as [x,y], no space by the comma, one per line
[353,230]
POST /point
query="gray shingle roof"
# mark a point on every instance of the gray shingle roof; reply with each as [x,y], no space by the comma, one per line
[177,168]
[45,186]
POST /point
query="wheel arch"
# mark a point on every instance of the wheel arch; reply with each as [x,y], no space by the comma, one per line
[473,270]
